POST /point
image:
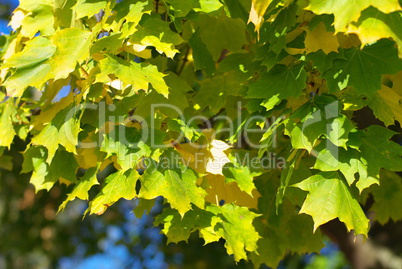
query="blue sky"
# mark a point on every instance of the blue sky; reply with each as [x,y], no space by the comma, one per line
[3,22]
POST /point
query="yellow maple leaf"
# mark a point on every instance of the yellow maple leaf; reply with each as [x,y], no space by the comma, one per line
[220,191]
[320,38]
[257,12]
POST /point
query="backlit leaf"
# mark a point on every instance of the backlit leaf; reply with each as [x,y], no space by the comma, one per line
[118,185]
[131,73]
[329,197]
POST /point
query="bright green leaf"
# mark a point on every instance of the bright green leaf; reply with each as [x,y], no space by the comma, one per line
[120,184]
[362,69]
[279,83]
[329,197]
[346,13]
[7,131]
[177,186]
[131,73]
[82,188]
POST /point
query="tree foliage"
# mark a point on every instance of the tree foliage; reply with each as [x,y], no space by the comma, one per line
[241,114]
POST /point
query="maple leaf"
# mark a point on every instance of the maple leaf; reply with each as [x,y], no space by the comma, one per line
[178,228]
[86,8]
[63,130]
[240,174]
[118,185]
[127,143]
[374,25]
[362,69]
[131,73]
[257,12]
[275,33]
[330,197]
[321,117]
[155,32]
[82,188]
[386,105]
[367,158]
[220,191]
[221,33]
[234,224]
[38,17]
[43,59]
[320,38]
[44,176]
[387,197]
[279,83]
[7,131]
[177,186]
[345,13]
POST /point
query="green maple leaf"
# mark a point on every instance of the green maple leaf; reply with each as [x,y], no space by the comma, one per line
[177,88]
[322,61]
[118,185]
[44,176]
[214,91]
[41,61]
[377,149]
[88,8]
[221,33]
[230,222]
[241,175]
[131,73]
[294,233]
[128,144]
[39,18]
[177,186]
[131,11]
[128,15]
[346,13]
[143,205]
[179,126]
[281,228]
[270,248]
[109,44]
[349,162]
[386,105]
[374,152]
[374,25]
[29,69]
[330,197]
[388,197]
[279,83]
[178,228]
[63,13]
[234,224]
[7,131]
[275,32]
[63,130]
[72,46]
[202,58]
[321,117]
[155,32]
[35,52]
[362,69]
[82,188]
[182,8]
[35,161]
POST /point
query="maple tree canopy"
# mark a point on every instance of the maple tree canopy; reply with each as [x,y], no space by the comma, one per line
[239,113]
